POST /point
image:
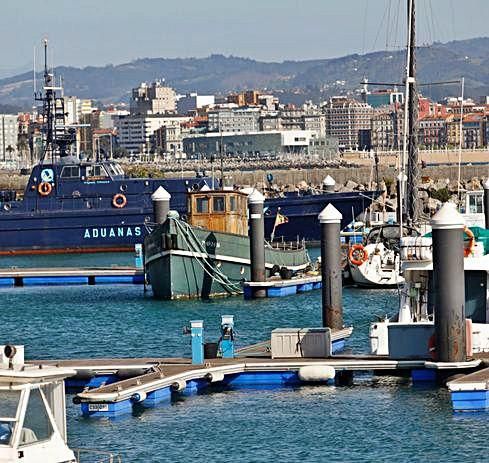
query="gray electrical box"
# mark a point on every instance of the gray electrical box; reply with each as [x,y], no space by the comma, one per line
[301,342]
[410,340]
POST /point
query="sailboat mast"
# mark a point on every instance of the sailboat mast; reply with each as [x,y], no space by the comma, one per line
[412,203]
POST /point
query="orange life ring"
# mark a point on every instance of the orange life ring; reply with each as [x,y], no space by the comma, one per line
[357,254]
[470,248]
[44,188]
[119,201]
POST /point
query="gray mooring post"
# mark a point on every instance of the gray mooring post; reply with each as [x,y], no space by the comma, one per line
[161,204]
[257,241]
[486,202]
[329,184]
[449,284]
[331,274]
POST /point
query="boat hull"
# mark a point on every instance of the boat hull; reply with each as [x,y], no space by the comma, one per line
[302,213]
[177,270]
[111,229]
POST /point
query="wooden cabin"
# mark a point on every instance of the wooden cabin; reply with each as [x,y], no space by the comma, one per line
[219,210]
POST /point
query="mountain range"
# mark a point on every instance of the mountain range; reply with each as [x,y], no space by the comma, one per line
[292,81]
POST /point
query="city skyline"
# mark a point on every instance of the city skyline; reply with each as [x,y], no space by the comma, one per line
[114,32]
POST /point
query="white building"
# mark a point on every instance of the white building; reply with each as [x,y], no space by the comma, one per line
[234,120]
[9,135]
[259,144]
[136,132]
[192,102]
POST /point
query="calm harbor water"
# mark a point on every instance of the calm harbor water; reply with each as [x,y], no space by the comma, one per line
[374,420]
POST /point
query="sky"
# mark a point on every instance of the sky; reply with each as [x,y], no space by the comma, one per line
[99,32]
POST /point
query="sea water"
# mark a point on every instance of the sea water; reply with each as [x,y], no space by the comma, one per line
[375,419]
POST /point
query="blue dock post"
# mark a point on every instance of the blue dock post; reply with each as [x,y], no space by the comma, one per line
[197,333]
[227,336]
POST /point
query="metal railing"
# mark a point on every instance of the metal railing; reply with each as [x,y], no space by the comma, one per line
[96,456]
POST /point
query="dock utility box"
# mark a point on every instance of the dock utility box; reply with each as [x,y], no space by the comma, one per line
[301,343]
[410,340]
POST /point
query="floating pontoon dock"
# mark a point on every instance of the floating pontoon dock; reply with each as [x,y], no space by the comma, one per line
[58,276]
[279,287]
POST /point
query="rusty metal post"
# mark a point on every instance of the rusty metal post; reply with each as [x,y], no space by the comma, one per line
[449,284]
[257,241]
[331,274]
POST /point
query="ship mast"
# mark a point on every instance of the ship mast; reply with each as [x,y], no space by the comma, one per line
[56,138]
[411,121]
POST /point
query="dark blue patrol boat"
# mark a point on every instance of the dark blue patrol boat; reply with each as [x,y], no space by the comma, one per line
[71,205]
[74,206]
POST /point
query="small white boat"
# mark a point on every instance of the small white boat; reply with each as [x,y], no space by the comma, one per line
[415,317]
[377,263]
[33,413]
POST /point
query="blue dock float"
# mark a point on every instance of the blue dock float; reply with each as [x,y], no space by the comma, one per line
[470,393]
[168,382]
[282,288]
[61,276]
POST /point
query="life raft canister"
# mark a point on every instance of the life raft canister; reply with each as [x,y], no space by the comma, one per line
[357,254]
[119,200]
[44,188]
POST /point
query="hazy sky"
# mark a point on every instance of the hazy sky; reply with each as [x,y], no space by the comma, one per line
[97,32]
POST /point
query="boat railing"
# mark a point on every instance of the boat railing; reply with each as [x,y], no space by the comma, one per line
[286,245]
[96,456]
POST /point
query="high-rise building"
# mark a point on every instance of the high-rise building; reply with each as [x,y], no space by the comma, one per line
[136,133]
[155,98]
[344,118]
[9,133]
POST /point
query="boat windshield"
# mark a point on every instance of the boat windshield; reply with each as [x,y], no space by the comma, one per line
[9,402]
[389,233]
[115,169]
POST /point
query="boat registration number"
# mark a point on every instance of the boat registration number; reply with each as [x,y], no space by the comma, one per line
[98,407]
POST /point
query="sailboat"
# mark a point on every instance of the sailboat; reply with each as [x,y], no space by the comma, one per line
[378,263]
[413,325]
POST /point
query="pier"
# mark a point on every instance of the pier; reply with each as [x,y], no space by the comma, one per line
[58,276]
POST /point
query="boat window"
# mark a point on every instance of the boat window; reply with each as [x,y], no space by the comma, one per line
[9,401]
[203,205]
[70,172]
[96,171]
[475,204]
[37,425]
[112,170]
[232,204]
[218,204]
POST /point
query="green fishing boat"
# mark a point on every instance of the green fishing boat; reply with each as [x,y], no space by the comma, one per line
[209,254]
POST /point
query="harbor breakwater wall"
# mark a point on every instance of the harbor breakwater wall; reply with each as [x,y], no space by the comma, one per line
[294,176]
[361,175]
